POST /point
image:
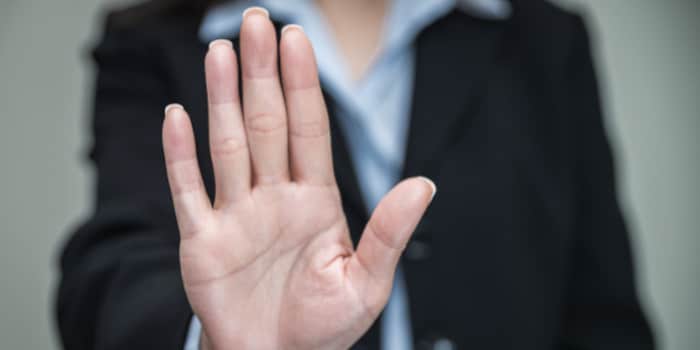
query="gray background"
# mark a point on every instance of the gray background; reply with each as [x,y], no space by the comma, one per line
[648,55]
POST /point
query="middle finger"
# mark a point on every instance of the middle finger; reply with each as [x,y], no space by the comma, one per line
[263,102]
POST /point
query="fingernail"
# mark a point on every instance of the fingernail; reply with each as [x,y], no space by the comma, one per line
[432,185]
[256,9]
[292,26]
[221,42]
[173,105]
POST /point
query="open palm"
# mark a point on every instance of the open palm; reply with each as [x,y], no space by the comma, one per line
[270,265]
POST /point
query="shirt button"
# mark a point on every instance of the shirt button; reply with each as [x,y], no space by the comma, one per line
[417,250]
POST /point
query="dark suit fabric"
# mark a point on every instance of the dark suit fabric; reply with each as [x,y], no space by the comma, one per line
[524,246]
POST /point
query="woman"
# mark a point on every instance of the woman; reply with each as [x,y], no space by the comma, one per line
[496,101]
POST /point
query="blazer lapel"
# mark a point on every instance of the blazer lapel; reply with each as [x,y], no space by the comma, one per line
[453,59]
[355,209]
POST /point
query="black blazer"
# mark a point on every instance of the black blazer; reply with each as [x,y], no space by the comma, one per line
[524,246]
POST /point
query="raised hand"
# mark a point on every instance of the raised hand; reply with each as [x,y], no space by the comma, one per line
[270,264]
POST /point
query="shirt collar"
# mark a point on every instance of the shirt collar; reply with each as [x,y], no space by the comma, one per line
[224,20]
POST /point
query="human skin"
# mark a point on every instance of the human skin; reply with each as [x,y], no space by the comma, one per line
[270,264]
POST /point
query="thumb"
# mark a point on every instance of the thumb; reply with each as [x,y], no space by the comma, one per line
[385,237]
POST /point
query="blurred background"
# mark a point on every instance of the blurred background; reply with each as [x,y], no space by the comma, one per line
[648,55]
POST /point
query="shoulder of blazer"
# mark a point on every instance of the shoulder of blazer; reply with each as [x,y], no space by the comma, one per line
[546,29]
[156,16]
[144,29]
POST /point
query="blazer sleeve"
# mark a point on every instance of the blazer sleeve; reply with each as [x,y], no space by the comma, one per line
[603,309]
[120,285]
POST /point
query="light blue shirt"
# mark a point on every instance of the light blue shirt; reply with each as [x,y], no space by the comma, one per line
[373,112]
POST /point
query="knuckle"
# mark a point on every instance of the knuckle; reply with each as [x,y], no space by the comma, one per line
[266,123]
[228,146]
[184,177]
[310,129]
[185,187]
[383,234]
